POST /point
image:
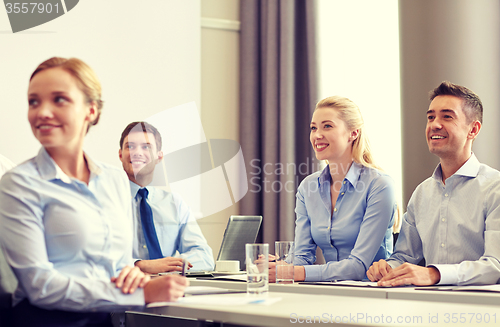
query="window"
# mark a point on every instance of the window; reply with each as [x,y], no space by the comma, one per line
[358,58]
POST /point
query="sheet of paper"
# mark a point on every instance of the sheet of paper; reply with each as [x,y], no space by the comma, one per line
[229,300]
[356,283]
[219,300]
[242,277]
[469,288]
[195,290]
[220,273]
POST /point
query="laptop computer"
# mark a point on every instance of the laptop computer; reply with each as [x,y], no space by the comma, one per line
[240,230]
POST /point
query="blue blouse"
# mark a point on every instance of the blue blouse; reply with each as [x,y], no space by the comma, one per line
[357,232]
[65,239]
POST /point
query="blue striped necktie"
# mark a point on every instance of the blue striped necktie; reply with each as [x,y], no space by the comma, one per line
[148,226]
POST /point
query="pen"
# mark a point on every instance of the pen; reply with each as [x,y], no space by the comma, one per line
[184,265]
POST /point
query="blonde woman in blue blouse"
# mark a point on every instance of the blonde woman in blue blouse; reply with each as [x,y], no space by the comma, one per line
[65,220]
[349,208]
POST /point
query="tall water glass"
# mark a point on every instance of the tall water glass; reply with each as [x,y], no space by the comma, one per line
[257,261]
[284,262]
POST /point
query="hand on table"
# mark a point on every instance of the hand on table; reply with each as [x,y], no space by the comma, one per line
[166,264]
[410,274]
[298,271]
[378,270]
[165,288]
[129,279]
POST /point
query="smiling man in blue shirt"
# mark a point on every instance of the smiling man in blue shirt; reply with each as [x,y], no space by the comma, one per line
[172,228]
[453,217]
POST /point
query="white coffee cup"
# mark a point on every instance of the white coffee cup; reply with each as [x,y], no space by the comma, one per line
[227,266]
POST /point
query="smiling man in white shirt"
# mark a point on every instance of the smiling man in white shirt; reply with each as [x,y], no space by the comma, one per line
[173,228]
[453,217]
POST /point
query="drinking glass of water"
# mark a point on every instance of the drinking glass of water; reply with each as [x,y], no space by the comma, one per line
[257,262]
[284,262]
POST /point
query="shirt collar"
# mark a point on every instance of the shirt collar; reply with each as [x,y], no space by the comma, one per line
[134,188]
[49,170]
[325,175]
[469,169]
[352,175]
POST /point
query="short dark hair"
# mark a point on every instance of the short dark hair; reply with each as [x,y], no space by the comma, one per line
[472,105]
[146,128]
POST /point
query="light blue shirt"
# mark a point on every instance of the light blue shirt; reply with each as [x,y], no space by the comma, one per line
[455,226]
[356,233]
[8,281]
[63,239]
[176,228]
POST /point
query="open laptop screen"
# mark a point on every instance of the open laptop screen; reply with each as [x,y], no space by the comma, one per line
[240,230]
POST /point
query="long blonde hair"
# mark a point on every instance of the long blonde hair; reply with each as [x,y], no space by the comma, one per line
[350,114]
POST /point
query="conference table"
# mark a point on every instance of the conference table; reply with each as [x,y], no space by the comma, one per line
[287,305]
[402,293]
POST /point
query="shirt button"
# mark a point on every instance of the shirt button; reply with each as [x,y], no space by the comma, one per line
[443,220]
[342,193]
[446,194]
[344,182]
[335,209]
[144,246]
[331,246]
[442,245]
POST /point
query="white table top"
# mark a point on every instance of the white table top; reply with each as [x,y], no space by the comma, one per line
[348,311]
[379,293]
[402,293]
[486,298]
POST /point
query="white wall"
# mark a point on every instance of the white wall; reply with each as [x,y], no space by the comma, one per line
[219,91]
[454,40]
[146,55]
[148,59]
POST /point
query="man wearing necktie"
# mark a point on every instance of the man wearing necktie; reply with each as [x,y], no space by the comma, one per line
[163,223]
